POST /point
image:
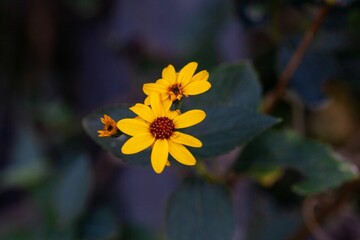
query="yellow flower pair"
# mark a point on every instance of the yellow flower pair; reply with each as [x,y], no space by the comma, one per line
[157,125]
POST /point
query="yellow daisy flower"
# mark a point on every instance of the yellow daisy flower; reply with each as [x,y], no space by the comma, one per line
[157,127]
[110,128]
[173,86]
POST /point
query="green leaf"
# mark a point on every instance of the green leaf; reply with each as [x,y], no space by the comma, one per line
[321,168]
[225,128]
[231,110]
[271,221]
[92,123]
[72,191]
[18,235]
[68,233]
[200,210]
[28,166]
[85,8]
[231,85]
[101,225]
[138,232]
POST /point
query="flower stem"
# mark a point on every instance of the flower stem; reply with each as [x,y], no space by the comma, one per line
[272,98]
[177,105]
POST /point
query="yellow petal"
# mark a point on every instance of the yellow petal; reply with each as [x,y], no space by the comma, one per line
[103,120]
[185,139]
[102,133]
[169,74]
[137,143]
[200,76]
[197,87]
[163,82]
[166,104]
[132,126]
[181,154]
[144,112]
[186,73]
[147,100]
[156,105]
[189,118]
[148,88]
[173,114]
[159,155]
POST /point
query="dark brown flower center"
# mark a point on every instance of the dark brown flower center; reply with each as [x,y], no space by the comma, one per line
[162,128]
[109,128]
[176,89]
[176,92]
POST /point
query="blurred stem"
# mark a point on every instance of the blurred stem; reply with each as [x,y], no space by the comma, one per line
[177,105]
[343,196]
[272,98]
[309,216]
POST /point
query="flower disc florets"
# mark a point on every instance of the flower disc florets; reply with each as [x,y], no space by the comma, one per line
[176,92]
[162,128]
[158,127]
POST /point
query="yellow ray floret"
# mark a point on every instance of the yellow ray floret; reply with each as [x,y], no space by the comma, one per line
[173,86]
[157,126]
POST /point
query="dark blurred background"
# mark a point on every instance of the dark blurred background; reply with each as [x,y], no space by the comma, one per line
[62,59]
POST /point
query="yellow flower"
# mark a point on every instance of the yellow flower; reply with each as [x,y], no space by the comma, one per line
[110,128]
[157,127]
[173,86]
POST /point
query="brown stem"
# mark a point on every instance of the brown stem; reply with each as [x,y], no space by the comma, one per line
[271,99]
[345,193]
[310,220]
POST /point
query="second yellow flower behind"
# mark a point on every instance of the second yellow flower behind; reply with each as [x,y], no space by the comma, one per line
[173,86]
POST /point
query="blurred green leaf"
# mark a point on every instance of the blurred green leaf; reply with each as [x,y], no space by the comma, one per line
[56,117]
[67,233]
[232,85]
[231,110]
[27,175]
[271,221]
[72,191]
[225,128]
[85,8]
[27,164]
[92,123]
[101,225]
[342,3]
[321,168]
[19,235]
[133,231]
[200,210]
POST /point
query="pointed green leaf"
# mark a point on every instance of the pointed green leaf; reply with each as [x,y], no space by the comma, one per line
[101,224]
[231,85]
[138,232]
[200,210]
[270,220]
[72,191]
[321,168]
[92,123]
[225,128]
[231,110]
[28,166]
